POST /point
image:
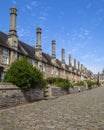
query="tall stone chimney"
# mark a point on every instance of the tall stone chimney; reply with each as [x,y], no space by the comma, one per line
[63,58]
[53,51]
[12,37]
[38,38]
[74,65]
[13,15]
[78,65]
[81,68]
[70,62]
[38,50]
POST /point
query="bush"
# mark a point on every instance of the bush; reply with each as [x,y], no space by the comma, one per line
[80,83]
[90,83]
[24,75]
[60,82]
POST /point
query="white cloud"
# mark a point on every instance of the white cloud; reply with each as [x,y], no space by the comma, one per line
[22,32]
[95,68]
[42,18]
[101,59]
[28,7]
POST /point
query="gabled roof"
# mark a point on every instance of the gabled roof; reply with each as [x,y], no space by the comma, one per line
[3,39]
[28,50]
[23,48]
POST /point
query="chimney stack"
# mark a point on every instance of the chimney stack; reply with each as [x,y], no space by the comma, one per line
[81,68]
[70,62]
[53,51]
[74,64]
[63,58]
[38,50]
[78,65]
[38,36]
[12,37]
[13,15]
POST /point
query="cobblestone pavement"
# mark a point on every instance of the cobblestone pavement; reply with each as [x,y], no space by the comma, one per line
[80,111]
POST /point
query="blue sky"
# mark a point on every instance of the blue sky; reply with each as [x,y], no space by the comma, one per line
[76,25]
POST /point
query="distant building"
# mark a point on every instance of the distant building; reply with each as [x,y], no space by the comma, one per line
[12,48]
[101,78]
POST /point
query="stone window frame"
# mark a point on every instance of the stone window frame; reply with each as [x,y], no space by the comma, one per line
[5,56]
[57,72]
[42,67]
[33,62]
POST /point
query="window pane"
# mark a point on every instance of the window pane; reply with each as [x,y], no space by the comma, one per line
[5,56]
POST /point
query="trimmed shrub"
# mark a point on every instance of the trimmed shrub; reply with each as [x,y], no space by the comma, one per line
[24,75]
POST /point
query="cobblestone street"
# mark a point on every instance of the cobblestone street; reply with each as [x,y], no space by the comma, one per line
[79,111]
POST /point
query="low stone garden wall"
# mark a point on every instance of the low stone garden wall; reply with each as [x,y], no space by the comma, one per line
[11,95]
[57,91]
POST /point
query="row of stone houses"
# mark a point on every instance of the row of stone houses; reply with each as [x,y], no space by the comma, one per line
[12,48]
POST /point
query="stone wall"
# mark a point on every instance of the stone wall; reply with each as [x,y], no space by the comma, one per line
[57,91]
[11,95]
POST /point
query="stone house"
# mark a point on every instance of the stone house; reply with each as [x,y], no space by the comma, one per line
[12,48]
[101,77]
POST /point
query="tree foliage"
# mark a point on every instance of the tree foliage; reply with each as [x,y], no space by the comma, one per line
[24,75]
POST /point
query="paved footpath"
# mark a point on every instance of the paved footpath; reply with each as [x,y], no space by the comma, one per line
[80,111]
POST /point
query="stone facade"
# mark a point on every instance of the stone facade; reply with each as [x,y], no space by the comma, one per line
[99,77]
[11,95]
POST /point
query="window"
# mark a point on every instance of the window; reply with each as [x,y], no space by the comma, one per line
[42,67]
[57,72]
[33,62]
[5,56]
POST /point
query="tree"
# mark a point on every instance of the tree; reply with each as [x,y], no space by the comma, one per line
[24,75]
